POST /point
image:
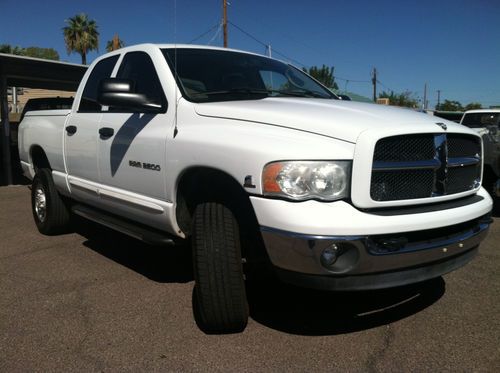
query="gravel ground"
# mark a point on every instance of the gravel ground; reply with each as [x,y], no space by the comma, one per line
[99,301]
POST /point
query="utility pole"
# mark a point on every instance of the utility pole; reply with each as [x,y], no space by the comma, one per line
[439,98]
[374,82]
[424,105]
[116,42]
[224,21]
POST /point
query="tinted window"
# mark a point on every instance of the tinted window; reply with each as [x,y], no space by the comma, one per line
[102,70]
[481,119]
[138,66]
[206,75]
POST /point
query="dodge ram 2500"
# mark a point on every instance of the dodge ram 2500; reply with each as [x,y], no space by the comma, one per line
[250,159]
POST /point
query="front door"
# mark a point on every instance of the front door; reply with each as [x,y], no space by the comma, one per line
[132,148]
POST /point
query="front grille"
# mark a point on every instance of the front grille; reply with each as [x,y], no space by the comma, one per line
[462,178]
[425,165]
[402,184]
[404,149]
[462,146]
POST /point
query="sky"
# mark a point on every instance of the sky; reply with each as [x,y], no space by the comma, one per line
[452,45]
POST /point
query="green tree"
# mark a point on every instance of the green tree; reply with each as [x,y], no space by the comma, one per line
[449,105]
[9,49]
[45,53]
[405,99]
[81,35]
[473,106]
[114,44]
[323,74]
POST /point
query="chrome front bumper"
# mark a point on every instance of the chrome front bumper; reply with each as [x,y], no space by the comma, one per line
[372,256]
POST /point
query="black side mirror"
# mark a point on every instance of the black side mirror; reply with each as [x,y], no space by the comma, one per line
[121,93]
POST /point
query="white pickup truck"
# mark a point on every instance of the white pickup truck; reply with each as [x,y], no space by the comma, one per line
[252,160]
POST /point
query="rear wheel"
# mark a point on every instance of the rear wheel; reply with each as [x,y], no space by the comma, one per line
[49,210]
[219,299]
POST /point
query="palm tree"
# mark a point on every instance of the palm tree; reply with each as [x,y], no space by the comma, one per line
[81,35]
[114,44]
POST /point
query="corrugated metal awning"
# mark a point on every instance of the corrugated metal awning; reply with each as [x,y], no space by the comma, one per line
[30,72]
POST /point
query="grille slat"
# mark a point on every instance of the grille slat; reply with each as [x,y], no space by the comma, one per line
[412,177]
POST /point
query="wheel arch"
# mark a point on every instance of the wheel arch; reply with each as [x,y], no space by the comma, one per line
[202,184]
[38,158]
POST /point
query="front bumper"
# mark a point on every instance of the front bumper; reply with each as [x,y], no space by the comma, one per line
[385,256]
[373,262]
[377,280]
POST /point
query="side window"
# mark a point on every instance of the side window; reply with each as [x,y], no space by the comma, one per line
[103,69]
[138,66]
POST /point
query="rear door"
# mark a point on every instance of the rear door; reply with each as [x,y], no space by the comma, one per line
[81,134]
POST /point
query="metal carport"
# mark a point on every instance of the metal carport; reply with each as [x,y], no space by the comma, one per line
[28,72]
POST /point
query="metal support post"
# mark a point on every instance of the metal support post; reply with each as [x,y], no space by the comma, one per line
[5,132]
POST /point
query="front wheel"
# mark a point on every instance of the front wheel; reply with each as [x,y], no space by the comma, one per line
[219,299]
[49,210]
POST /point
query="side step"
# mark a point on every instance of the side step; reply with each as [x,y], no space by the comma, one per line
[132,229]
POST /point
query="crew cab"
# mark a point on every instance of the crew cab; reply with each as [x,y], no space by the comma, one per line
[252,161]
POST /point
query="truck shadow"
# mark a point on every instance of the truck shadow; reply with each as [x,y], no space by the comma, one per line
[274,304]
[314,313]
[159,264]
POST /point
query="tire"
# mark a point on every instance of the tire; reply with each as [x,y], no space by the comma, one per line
[49,210]
[219,297]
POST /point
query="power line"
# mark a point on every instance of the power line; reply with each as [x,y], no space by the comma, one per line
[266,45]
[351,80]
[205,33]
[275,51]
[217,33]
[383,85]
[247,34]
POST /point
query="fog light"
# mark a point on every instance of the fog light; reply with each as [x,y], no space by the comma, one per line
[329,255]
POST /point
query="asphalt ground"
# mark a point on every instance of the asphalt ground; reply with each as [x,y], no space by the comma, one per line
[99,301]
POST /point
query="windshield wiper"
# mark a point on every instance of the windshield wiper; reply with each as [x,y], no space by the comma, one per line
[232,91]
[309,93]
[257,92]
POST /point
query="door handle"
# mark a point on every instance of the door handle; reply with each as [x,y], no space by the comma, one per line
[106,132]
[71,130]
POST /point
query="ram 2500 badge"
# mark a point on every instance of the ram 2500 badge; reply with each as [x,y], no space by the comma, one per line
[252,160]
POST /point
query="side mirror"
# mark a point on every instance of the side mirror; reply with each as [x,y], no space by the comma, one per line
[120,93]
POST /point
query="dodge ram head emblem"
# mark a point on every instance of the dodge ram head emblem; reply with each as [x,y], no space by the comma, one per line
[442,125]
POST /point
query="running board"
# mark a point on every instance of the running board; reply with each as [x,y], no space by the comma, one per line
[135,230]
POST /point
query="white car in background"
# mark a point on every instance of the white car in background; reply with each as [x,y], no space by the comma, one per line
[486,122]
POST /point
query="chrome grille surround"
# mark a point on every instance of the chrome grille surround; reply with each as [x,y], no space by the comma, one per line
[425,165]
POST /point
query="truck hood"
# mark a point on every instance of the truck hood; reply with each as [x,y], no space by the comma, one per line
[343,120]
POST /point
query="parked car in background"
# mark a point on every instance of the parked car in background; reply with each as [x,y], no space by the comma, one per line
[454,116]
[486,122]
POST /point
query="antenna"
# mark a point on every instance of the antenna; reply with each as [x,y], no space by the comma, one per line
[175,68]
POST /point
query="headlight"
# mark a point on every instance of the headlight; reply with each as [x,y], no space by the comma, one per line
[299,180]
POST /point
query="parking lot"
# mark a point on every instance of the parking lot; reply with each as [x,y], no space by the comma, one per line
[96,300]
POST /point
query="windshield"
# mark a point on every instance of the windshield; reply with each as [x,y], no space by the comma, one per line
[206,75]
[475,120]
